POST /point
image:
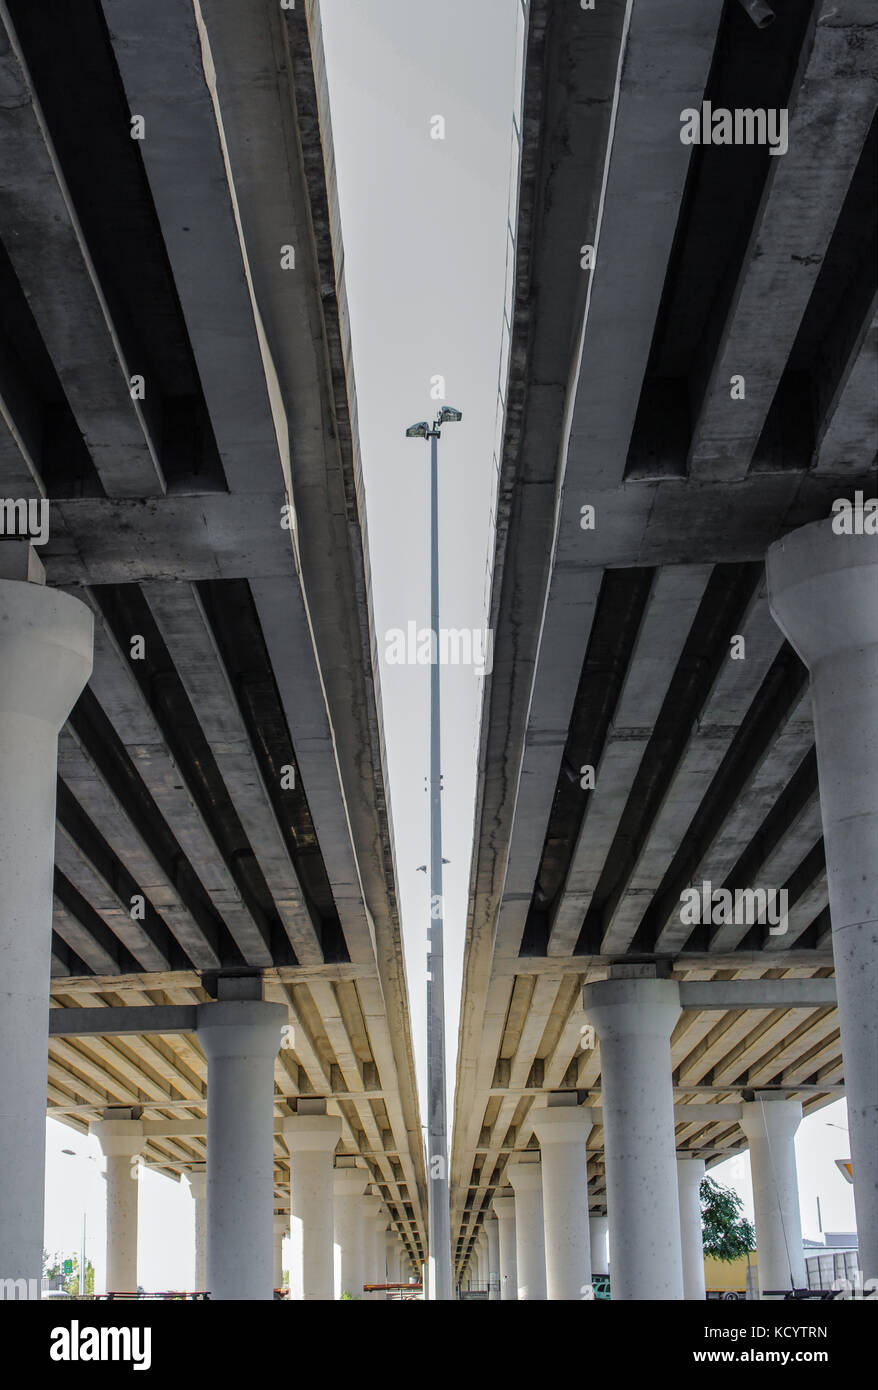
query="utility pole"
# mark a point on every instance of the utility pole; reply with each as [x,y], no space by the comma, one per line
[439,1213]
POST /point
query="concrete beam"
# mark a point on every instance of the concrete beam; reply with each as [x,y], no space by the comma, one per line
[791,235]
[849,434]
[756,994]
[110,1022]
[186,631]
[40,228]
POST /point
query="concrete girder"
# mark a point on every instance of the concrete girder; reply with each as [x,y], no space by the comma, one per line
[673,602]
[186,631]
[851,417]
[779,864]
[107,814]
[48,249]
[791,235]
[124,703]
[184,158]
[793,740]
[103,896]
[719,718]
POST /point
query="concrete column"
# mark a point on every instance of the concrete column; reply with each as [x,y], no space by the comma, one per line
[634,1014]
[505,1209]
[690,1172]
[281,1226]
[479,1260]
[530,1252]
[598,1232]
[391,1259]
[241,1038]
[563,1131]
[382,1272]
[492,1228]
[349,1185]
[198,1188]
[823,592]
[311,1140]
[770,1127]
[371,1208]
[45,660]
[121,1141]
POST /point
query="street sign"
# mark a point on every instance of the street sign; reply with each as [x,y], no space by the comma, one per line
[67,1266]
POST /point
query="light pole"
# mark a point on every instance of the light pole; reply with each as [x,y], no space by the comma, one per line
[71,1153]
[438,1209]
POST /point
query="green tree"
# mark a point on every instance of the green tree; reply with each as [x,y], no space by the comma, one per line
[725,1233]
[53,1268]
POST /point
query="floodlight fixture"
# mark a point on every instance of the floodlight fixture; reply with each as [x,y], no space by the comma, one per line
[418,431]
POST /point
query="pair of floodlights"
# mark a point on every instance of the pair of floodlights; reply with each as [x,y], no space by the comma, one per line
[447,415]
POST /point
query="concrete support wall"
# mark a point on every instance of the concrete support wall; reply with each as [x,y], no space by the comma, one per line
[823,592]
[45,660]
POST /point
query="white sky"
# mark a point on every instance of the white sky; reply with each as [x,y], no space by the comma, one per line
[425,235]
[424,226]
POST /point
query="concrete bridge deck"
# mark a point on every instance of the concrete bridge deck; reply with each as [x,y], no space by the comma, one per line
[647,727]
[177,387]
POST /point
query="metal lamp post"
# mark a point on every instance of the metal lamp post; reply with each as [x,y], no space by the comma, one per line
[71,1153]
[439,1213]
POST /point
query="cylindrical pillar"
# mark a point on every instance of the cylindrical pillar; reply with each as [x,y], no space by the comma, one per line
[45,660]
[241,1039]
[690,1173]
[634,1015]
[281,1226]
[121,1142]
[371,1207]
[492,1227]
[770,1126]
[563,1131]
[198,1188]
[530,1252]
[599,1232]
[505,1209]
[312,1141]
[823,592]
[382,1271]
[349,1185]
[391,1259]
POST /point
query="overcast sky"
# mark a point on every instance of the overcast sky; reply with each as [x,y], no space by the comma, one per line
[424,224]
[425,235]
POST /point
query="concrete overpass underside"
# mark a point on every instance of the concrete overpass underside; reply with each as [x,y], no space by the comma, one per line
[647,727]
[176,385]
